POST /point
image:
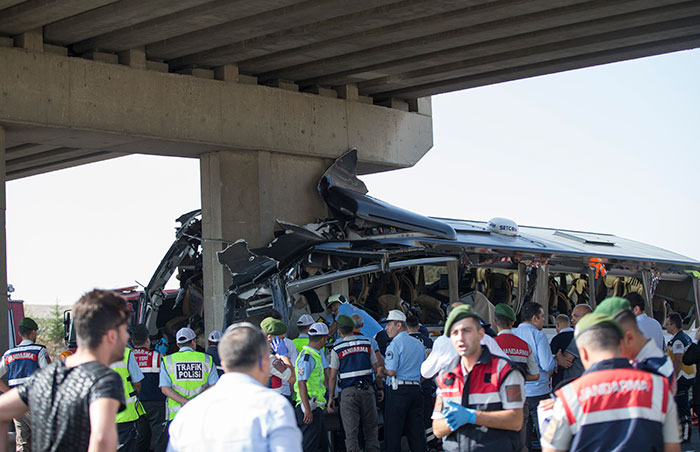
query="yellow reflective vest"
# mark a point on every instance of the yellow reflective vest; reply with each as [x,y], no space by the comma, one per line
[189,374]
[133,409]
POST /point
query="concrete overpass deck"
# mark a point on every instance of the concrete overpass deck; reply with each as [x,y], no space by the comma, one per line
[382,52]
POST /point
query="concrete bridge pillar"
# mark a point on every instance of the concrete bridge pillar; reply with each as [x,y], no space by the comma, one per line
[243,193]
[4,336]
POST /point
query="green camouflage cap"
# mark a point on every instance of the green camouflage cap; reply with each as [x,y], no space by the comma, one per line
[504,310]
[272,326]
[346,321]
[612,306]
[28,323]
[457,314]
[593,320]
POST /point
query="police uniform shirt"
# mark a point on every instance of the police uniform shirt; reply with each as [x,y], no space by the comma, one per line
[610,426]
[43,357]
[335,359]
[404,355]
[660,362]
[134,370]
[164,378]
[530,363]
[510,392]
[306,366]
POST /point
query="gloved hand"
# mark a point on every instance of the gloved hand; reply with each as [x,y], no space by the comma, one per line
[162,346]
[279,346]
[458,415]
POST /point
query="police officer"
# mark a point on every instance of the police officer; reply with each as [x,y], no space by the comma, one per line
[685,375]
[518,351]
[310,391]
[612,406]
[186,373]
[303,324]
[353,361]
[404,400]
[151,425]
[131,376]
[281,365]
[480,396]
[213,350]
[19,364]
[637,348]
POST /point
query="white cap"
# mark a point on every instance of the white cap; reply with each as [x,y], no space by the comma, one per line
[318,329]
[305,320]
[395,314]
[184,335]
[215,336]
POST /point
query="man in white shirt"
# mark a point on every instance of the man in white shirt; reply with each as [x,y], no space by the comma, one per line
[647,325]
[239,413]
[443,352]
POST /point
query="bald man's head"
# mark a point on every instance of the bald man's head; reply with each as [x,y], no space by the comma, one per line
[578,312]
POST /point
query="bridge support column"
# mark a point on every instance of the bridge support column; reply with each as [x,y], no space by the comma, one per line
[4,336]
[243,193]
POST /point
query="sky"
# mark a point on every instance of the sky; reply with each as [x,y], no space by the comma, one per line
[611,149]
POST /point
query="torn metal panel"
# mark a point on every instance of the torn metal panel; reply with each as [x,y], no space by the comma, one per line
[245,266]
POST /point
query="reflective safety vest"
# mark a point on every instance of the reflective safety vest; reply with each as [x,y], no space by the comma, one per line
[478,390]
[354,356]
[189,374]
[516,349]
[686,372]
[21,362]
[149,363]
[616,407]
[315,383]
[300,342]
[133,409]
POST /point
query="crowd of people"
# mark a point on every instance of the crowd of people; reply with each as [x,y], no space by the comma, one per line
[605,381]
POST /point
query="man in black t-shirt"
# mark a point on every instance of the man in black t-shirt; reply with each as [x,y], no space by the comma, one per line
[74,403]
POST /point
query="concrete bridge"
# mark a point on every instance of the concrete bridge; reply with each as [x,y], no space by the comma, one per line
[265,93]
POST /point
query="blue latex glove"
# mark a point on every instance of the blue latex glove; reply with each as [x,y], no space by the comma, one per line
[458,415]
[162,346]
[279,346]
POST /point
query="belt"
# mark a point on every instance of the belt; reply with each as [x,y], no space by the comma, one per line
[407,382]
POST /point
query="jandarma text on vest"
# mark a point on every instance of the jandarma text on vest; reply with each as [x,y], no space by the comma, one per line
[22,355]
[611,387]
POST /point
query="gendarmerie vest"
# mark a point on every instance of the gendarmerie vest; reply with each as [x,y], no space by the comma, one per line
[479,391]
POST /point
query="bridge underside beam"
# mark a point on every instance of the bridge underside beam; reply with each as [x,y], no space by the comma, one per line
[60,111]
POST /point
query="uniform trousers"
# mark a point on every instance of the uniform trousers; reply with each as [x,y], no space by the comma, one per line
[532,425]
[359,405]
[153,434]
[127,436]
[403,415]
[23,433]
[315,434]
[684,415]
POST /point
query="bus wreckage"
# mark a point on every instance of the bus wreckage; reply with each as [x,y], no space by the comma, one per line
[382,257]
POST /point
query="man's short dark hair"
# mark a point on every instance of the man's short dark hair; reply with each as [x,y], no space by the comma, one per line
[530,309]
[626,319]
[600,338]
[316,339]
[676,319]
[412,321]
[502,321]
[635,300]
[24,331]
[346,329]
[242,347]
[95,314]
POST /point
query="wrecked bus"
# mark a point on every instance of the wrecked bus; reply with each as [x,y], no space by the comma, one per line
[382,257]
